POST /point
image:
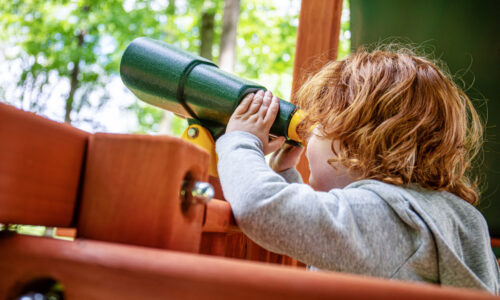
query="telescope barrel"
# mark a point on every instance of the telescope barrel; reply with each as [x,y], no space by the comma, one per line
[189,85]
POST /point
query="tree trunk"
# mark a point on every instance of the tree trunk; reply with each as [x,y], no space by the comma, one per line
[171,7]
[207,29]
[73,84]
[228,38]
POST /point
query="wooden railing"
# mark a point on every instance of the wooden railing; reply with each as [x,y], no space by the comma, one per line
[89,269]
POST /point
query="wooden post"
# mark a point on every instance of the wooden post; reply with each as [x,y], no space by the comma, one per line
[317,43]
[40,166]
[131,191]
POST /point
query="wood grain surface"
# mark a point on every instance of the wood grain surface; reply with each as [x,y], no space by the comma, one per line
[40,167]
[131,191]
[101,270]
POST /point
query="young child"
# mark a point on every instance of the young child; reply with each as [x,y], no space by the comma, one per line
[389,194]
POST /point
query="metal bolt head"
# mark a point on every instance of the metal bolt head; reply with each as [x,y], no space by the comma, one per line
[192,132]
[195,192]
[203,192]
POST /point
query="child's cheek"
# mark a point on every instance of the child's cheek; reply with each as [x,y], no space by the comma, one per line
[323,176]
[320,171]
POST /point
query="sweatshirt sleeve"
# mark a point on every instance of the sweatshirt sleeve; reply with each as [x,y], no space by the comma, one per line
[291,175]
[318,228]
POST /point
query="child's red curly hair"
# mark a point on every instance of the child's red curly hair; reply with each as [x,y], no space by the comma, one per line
[399,119]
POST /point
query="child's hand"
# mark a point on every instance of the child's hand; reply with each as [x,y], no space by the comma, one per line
[285,158]
[256,114]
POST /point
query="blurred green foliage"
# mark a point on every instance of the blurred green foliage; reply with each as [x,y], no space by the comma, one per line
[345,30]
[55,36]
[50,38]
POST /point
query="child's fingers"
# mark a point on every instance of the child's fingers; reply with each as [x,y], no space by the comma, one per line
[274,144]
[256,103]
[273,110]
[244,104]
[266,102]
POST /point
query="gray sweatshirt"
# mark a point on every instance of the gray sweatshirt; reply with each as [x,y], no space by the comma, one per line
[368,227]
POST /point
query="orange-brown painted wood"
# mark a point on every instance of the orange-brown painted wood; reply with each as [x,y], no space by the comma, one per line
[131,191]
[317,44]
[100,270]
[219,217]
[40,167]
[256,252]
[213,243]
[215,182]
[236,245]
[66,232]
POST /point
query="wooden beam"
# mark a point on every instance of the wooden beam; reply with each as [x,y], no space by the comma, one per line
[219,217]
[99,270]
[40,168]
[131,191]
[317,44]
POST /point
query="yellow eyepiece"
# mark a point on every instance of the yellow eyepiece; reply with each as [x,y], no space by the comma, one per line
[298,116]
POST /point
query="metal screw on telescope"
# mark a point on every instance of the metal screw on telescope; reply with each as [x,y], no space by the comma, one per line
[193,132]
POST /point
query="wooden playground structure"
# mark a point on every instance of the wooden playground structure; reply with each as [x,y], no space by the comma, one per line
[118,196]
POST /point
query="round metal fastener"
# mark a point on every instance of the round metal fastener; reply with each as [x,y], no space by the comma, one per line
[202,192]
[193,132]
[196,192]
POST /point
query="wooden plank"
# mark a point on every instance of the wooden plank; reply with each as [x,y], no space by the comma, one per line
[131,192]
[100,270]
[219,217]
[40,167]
[215,182]
[317,44]
[214,243]
[68,232]
[236,245]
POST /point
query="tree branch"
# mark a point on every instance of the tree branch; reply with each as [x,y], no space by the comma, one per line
[74,83]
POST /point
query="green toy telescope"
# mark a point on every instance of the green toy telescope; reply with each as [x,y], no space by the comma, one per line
[192,86]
